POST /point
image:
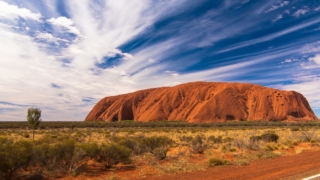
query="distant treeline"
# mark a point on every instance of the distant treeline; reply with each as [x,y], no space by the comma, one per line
[130,123]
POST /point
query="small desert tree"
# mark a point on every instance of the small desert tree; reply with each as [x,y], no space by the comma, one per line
[33,118]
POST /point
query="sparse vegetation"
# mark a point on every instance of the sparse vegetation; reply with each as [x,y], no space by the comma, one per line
[217,162]
[57,151]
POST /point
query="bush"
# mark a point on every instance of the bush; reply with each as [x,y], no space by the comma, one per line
[186,139]
[239,143]
[308,135]
[111,154]
[160,153]
[252,145]
[271,147]
[198,145]
[91,149]
[14,156]
[255,138]
[155,142]
[135,145]
[270,137]
[295,129]
[40,155]
[216,140]
[217,162]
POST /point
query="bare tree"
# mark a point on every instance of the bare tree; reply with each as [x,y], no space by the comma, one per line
[33,118]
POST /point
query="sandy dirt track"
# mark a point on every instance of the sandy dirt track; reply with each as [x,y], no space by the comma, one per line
[287,167]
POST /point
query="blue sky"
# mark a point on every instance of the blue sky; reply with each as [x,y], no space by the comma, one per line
[63,56]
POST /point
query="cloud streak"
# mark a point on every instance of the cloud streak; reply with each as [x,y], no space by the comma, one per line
[66,59]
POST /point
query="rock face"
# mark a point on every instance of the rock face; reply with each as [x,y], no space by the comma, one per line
[205,102]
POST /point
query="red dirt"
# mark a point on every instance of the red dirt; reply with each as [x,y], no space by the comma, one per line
[287,167]
[292,166]
[204,102]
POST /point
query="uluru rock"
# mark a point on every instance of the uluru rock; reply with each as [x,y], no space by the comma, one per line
[205,102]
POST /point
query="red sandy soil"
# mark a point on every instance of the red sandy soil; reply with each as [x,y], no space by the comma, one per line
[204,102]
[293,166]
[287,167]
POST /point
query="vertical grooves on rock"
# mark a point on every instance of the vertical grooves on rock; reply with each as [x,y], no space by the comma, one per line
[205,102]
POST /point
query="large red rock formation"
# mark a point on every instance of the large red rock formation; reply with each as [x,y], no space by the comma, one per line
[204,102]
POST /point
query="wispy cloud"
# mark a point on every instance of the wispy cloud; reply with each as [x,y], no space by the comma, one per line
[280,16]
[300,12]
[67,59]
[66,23]
[316,59]
[14,12]
[309,88]
[245,1]
[280,5]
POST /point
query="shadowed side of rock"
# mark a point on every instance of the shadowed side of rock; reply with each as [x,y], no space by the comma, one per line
[205,102]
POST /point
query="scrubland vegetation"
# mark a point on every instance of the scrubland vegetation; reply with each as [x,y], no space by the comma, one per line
[61,149]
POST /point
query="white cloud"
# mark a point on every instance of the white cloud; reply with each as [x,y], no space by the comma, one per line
[28,71]
[317,8]
[289,30]
[309,88]
[280,16]
[49,37]
[300,12]
[245,1]
[288,60]
[316,59]
[127,56]
[9,11]
[174,74]
[151,60]
[282,4]
[311,48]
[66,23]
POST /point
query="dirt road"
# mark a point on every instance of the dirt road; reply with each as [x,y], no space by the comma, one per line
[287,167]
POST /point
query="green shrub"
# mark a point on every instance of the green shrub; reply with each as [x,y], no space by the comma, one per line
[135,144]
[14,156]
[271,147]
[270,137]
[217,162]
[40,155]
[111,154]
[216,140]
[91,149]
[160,153]
[295,129]
[255,138]
[155,142]
[185,138]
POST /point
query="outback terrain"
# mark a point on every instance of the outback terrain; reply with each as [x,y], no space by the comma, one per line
[198,130]
[159,150]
